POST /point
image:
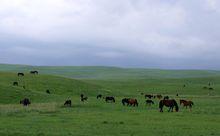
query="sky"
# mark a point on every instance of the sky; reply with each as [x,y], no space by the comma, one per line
[166,34]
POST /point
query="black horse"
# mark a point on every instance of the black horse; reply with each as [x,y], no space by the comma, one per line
[149,102]
[68,103]
[110,99]
[149,96]
[25,102]
[34,72]
[125,101]
[20,74]
[15,83]
[99,96]
[48,91]
[83,98]
[168,103]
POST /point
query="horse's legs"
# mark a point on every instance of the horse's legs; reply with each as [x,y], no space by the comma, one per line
[172,109]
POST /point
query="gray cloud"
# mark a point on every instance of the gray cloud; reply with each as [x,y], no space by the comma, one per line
[142,33]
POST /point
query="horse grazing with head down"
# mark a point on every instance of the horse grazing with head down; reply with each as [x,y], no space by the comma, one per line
[186,103]
[68,103]
[149,102]
[99,96]
[110,99]
[132,102]
[168,103]
[125,101]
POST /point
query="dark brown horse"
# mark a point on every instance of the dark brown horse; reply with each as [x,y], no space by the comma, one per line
[168,103]
[132,102]
[186,103]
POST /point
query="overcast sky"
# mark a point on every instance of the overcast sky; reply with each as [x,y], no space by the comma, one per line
[170,34]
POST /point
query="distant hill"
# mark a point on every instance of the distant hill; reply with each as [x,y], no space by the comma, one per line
[36,86]
[101,72]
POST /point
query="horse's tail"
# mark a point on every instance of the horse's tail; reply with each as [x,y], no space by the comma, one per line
[176,106]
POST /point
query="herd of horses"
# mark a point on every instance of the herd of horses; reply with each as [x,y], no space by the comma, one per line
[164,101]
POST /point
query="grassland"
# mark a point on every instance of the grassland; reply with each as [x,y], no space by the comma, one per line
[47,115]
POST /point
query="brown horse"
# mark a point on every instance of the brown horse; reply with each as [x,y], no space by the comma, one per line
[186,103]
[169,103]
[132,102]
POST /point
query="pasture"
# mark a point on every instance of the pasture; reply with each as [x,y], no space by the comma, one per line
[47,116]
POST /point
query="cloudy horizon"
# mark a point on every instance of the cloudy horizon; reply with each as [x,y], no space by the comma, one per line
[143,33]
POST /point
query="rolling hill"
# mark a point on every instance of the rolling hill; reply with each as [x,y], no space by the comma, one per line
[101,72]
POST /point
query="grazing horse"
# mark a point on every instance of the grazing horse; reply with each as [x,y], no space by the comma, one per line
[149,102]
[68,103]
[15,83]
[110,99]
[48,91]
[148,96]
[133,102]
[168,103]
[205,87]
[34,72]
[25,102]
[186,103]
[99,96]
[211,88]
[83,98]
[166,97]
[159,96]
[125,101]
[20,74]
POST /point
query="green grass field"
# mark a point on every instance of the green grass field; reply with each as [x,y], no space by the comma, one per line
[47,115]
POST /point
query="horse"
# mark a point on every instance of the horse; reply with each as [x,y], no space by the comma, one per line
[159,96]
[125,101]
[34,72]
[84,99]
[211,88]
[68,103]
[186,103]
[132,102]
[20,74]
[15,83]
[205,87]
[99,96]
[168,103]
[48,91]
[148,96]
[149,102]
[166,97]
[110,99]
[25,102]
